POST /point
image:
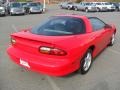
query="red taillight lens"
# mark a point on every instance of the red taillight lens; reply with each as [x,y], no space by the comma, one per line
[52,51]
[13,41]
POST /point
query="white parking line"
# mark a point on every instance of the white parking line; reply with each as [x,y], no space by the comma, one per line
[114,51]
[14,28]
[52,83]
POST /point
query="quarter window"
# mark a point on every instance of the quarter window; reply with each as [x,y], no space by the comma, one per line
[97,24]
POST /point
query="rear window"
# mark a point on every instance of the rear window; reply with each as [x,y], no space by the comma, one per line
[15,5]
[34,4]
[57,26]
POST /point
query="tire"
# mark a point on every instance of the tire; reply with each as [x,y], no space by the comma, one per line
[68,8]
[61,7]
[11,14]
[112,40]
[75,8]
[86,10]
[86,62]
[117,9]
[98,10]
[23,14]
[29,12]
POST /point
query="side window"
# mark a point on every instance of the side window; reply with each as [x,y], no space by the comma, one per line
[97,24]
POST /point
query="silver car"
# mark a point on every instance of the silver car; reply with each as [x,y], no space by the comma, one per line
[2,11]
[35,7]
[104,6]
[85,6]
[15,8]
[66,5]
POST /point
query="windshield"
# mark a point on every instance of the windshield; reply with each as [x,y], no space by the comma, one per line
[15,5]
[57,26]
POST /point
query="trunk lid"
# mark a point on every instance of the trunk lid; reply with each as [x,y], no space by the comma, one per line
[31,43]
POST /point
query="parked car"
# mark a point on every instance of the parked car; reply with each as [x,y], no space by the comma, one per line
[104,6]
[110,6]
[35,7]
[66,5]
[62,45]
[15,8]
[85,6]
[2,10]
[117,5]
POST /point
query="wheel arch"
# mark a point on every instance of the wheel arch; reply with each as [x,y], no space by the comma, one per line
[92,47]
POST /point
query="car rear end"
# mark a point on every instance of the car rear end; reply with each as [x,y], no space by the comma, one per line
[17,11]
[91,7]
[16,8]
[36,7]
[2,11]
[47,51]
[110,6]
[100,6]
[41,55]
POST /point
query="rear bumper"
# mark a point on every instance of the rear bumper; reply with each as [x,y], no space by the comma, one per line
[93,9]
[17,13]
[36,11]
[43,64]
[2,13]
[111,9]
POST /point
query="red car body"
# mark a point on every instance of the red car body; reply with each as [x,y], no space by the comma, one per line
[26,46]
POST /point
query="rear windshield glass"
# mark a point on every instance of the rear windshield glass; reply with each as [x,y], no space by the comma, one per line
[15,5]
[57,26]
[35,4]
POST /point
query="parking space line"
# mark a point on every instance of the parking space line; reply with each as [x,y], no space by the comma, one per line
[114,51]
[14,28]
[52,83]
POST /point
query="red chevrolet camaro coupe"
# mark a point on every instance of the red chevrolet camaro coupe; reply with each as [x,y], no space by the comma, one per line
[61,45]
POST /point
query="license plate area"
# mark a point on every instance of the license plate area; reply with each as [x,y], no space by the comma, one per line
[24,63]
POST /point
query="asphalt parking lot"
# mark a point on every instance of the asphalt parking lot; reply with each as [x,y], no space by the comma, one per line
[104,74]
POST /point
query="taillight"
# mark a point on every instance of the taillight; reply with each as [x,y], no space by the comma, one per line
[13,41]
[52,51]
